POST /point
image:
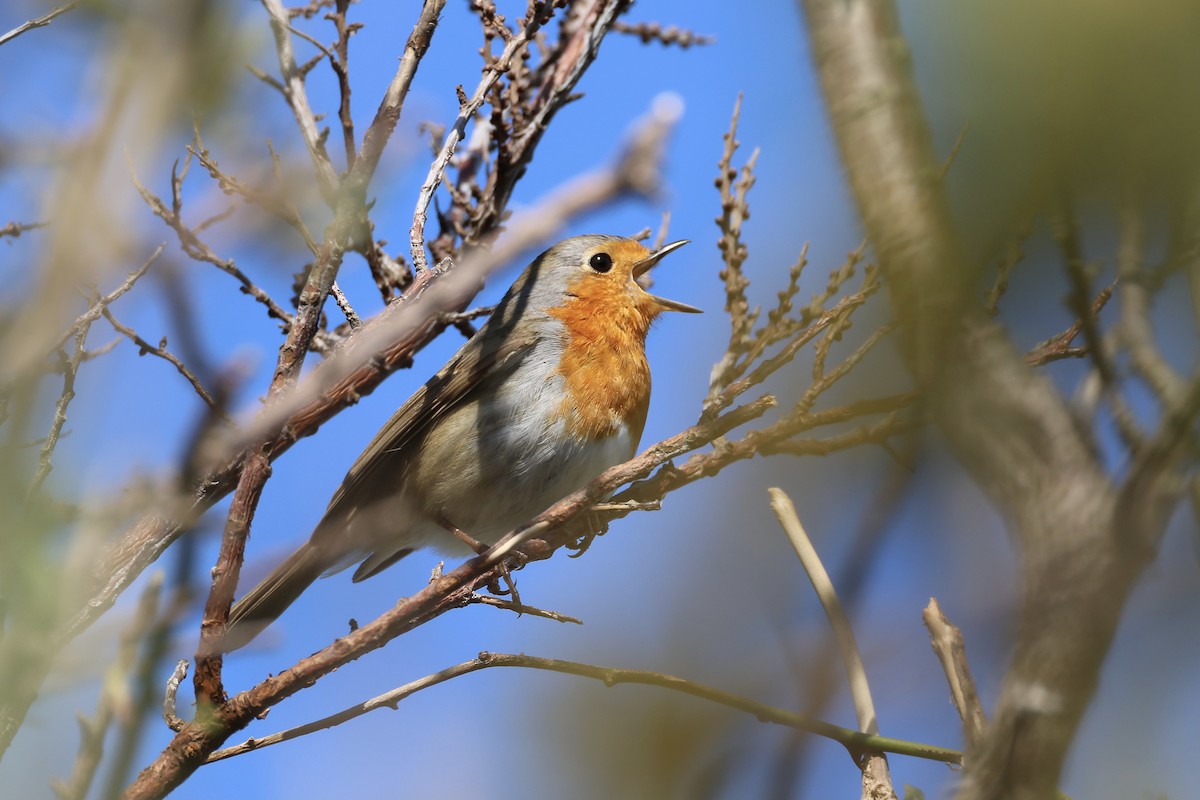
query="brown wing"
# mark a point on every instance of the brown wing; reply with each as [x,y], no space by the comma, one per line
[479,360]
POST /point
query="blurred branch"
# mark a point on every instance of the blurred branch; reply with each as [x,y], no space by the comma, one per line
[276,203]
[1082,550]
[610,676]
[951,651]
[84,321]
[877,783]
[1079,300]
[1135,330]
[1014,253]
[15,229]
[1061,346]
[114,697]
[40,22]
[666,36]
[856,673]
[70,367]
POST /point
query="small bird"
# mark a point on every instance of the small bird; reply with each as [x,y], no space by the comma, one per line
[550,392]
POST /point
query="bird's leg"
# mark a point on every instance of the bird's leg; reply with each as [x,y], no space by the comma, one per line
[591,526]
[480,548]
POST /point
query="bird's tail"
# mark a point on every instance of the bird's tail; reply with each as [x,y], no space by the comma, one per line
[266,601]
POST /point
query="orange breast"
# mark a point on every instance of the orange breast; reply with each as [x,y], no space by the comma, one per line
[604,362]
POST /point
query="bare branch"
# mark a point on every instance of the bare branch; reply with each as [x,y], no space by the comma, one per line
[856,673]
[15,229]
[1135,330]
[466,112]
[113,688]
[297,97]
[521,608]
[951,650]
[40,22]
[168,706]
[70,367]
[196,249]
[161,351]
[96,309]
[341,68]
[1010,428]
[388,114]
[610,676]
[344,304]
[666,36]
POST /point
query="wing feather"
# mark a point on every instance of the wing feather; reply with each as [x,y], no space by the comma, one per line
[479,362]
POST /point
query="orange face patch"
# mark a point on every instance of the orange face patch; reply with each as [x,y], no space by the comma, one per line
[604,361]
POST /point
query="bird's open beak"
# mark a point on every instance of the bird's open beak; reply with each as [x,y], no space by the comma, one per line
[645,265]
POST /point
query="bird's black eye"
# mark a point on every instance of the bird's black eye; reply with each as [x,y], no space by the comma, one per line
[601,262]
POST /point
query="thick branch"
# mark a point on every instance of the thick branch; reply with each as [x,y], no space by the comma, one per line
[1008,426]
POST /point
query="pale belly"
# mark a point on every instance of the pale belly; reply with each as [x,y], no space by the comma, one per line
[494,469]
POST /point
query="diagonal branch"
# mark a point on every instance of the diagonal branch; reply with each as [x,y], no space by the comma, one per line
[876,778]
[40,22]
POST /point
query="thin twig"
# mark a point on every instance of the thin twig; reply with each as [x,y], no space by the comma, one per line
[521,608]
[1066,233]
[94,311]
[855,741]
[856,673]
[15,229]
[297,97]
[161,351]
[168,707]
[876,777]
[196,249]
[666,36]
[465,113]
[70,367]
[113,696]
[344,304]
[951,651]
[341,68]
[40,22]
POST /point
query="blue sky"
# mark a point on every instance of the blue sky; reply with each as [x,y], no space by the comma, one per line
[707,588]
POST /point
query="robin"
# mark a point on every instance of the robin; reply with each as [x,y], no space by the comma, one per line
[550,392]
